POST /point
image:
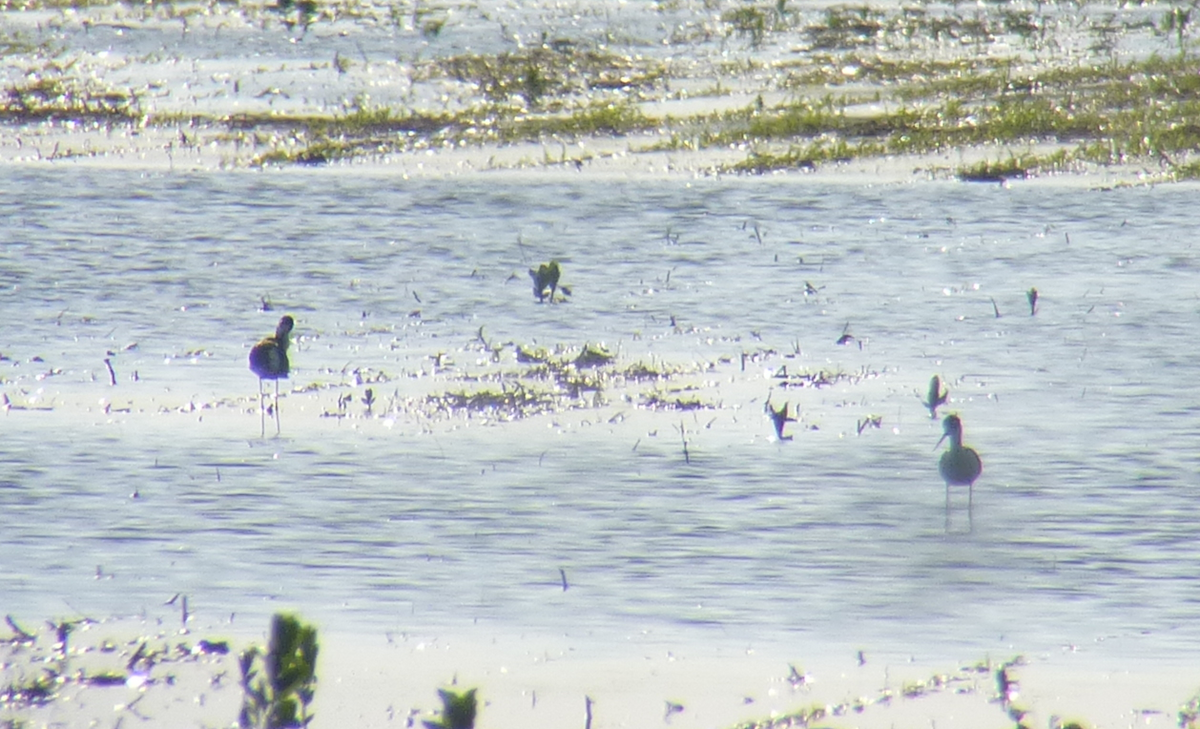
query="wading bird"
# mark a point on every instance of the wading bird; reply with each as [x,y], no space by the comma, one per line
[959,466]
[269,360]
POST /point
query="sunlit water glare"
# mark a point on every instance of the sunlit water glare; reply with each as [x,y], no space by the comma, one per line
[1086,519]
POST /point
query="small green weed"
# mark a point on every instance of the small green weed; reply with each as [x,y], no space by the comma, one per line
[279,683]
[31,692]
[996,171]
[458,710]
[593,356]
[1189,713]
[545,280]
[749,22]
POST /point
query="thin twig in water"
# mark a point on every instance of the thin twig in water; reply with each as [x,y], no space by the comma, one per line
[521,248]
[23,634]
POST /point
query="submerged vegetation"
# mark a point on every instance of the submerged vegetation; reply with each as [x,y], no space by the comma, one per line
[56,96]
[568,378]
[545,74]
[1019,88]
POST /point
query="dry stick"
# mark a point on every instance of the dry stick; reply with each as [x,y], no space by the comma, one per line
[62,632]
[23,634]
[112,376]
[683,434]
[587,708]
[137,656]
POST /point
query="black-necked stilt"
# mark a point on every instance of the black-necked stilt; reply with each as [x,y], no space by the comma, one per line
[959,465]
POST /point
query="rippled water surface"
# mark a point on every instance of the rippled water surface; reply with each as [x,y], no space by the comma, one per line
[1086,520]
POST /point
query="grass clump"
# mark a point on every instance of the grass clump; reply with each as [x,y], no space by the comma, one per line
[856,81]
[997,171]
[279,683]
[379,131]
[362,131]
[1100,113]
[641,371]
[35,691]
[1189,713]
[512,401]
[658,400]
[806,157]
[593,356]
[552,70]
[846,26]
[754,22]
[458,710]
[60,97]
[617,118]
[547,381]
[317,152]
[16,43]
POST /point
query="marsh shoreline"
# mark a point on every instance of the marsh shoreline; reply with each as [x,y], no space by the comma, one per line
[151,669]
[682,88]
[798,98]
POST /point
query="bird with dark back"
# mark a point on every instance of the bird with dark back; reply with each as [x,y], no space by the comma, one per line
[269,360]
[959,465]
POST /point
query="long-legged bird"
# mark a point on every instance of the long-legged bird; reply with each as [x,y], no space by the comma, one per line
[959,465]
[269,360]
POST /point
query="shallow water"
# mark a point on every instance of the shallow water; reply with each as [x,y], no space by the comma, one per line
[1085,520]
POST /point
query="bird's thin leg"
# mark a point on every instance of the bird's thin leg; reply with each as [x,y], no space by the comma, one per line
[277,428]
[947,508]
[262,409]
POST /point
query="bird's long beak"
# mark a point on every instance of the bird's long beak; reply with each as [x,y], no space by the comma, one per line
[940,441]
